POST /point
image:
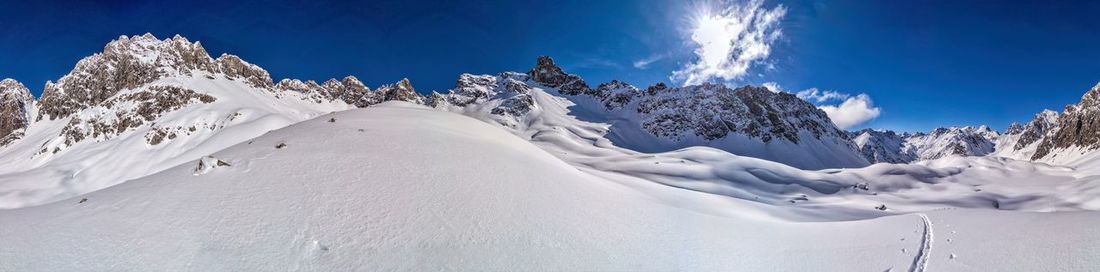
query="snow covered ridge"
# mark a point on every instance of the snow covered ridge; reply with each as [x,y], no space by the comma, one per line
[749,121]
[892,147]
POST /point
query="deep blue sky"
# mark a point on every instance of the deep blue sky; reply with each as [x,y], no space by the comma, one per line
[924,63]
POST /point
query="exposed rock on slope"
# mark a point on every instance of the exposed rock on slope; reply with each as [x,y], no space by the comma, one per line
[1078,126]
[131,62]
[16,110]
[549,74]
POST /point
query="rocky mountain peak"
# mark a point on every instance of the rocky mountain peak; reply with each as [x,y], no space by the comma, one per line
[130,62]
[233,67]
[16,110]
[401,91]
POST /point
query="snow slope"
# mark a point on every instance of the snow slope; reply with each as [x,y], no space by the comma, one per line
[399,187]
[49,163]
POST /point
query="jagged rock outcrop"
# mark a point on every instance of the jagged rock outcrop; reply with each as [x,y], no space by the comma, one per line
[713,111]
[615,94]
[129,111]
[1078,126]
[507,95]
[549,74]
[401,91]
[16,110]
[351,91]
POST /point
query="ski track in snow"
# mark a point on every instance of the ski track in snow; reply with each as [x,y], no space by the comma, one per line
[920,263]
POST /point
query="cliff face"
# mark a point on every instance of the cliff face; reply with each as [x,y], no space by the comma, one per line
[16,110]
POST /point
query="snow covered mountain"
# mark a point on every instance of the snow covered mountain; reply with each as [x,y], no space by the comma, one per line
[144,105]
[891,147]
[748,121]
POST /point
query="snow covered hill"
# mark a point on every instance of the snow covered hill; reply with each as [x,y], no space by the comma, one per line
[447,192]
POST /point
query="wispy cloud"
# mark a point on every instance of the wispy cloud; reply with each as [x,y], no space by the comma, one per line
[644,63]
[821,96]
[728,42]
[594,62]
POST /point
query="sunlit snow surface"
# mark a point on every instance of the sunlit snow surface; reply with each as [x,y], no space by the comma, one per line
[404,187]
[401,187]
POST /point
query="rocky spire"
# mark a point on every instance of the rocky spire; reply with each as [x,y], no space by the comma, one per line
[16,110]
[402,91]
[549,74]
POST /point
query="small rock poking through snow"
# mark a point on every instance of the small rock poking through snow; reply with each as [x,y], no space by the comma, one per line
[208,163]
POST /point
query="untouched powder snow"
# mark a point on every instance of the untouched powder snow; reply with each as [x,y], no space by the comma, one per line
[401,187]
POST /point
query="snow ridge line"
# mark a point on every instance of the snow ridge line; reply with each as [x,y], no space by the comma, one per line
[921,261]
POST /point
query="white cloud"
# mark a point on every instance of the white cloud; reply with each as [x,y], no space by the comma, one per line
[774,87]
[821,96]
[730,41]
[644,63]
[853,111]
